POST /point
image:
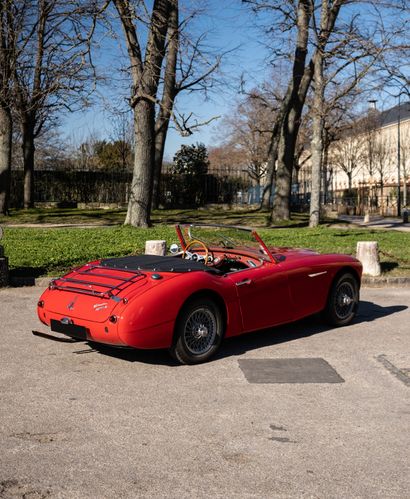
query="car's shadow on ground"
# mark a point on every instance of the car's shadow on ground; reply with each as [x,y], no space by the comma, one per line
[368,311]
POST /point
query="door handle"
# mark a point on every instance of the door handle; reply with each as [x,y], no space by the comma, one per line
[244,282]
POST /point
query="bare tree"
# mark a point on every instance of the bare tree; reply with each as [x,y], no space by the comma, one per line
[248,128]
[347,154]
[52,70]
[123,137]
[382,153]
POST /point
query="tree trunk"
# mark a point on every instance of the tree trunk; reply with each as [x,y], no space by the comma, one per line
[281,204]
[291,111]
[139,205]
[167,101]
[270,169]
[317,143]
[160,139]
[268,189]
[28,162]
[325,165]
[6,127]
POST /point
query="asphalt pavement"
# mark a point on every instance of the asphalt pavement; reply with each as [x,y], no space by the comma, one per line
[296,411]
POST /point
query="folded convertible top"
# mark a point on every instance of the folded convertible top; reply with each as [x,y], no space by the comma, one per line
[156,263]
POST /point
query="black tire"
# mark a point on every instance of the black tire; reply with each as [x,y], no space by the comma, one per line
[343,300]
[198,332]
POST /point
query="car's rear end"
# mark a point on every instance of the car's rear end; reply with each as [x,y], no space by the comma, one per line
[88,302]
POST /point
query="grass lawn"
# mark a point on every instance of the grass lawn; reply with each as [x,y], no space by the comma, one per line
[74,216]
[51,251]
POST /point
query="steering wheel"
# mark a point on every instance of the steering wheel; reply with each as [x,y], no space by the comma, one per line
[204,246]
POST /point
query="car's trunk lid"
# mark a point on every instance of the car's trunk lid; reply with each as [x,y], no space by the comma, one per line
[92,292]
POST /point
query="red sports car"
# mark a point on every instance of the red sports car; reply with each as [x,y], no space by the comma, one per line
[219,282]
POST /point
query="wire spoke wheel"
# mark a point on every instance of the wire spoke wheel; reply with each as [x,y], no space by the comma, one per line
[345,300]
[200,331]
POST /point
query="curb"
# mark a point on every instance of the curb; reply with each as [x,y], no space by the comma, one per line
[383,282]
[367,282]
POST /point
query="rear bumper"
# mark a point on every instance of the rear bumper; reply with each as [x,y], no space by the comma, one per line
[99,332]
[116,334]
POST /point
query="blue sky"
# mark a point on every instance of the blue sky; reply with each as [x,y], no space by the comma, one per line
[230,27]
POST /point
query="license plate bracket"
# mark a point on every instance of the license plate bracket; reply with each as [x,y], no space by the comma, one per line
[72,330]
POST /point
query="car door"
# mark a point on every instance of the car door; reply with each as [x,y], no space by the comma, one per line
[308,285]
[263,295]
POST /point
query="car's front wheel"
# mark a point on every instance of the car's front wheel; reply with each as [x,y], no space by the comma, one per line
[343,300]
[199,332]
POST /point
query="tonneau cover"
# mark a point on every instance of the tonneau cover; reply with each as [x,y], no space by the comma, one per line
[156,263]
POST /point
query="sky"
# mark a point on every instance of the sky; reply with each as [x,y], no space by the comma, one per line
[230,29]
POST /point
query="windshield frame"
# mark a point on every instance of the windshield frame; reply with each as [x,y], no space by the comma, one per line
[184,228]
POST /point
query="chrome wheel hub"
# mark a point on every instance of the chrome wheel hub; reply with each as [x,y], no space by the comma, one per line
[200,331]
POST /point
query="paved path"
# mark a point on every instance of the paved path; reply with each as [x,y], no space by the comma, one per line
[78,422]
[377,222]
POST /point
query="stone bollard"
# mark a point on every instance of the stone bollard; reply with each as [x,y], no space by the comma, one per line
[367,253]
[158,247]
[366,218]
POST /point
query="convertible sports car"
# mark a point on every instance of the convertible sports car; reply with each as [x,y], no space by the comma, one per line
[219,282]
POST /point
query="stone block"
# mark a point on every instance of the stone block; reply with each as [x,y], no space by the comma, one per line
[368,254]
[156,247]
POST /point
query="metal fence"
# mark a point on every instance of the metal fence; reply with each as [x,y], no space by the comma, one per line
[68,188]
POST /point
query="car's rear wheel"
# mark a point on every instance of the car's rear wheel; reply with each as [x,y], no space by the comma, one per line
[343,300]
[199,332]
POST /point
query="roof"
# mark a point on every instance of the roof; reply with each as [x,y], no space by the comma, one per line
[391,116]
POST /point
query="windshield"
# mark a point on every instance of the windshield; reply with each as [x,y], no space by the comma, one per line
[227,237]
